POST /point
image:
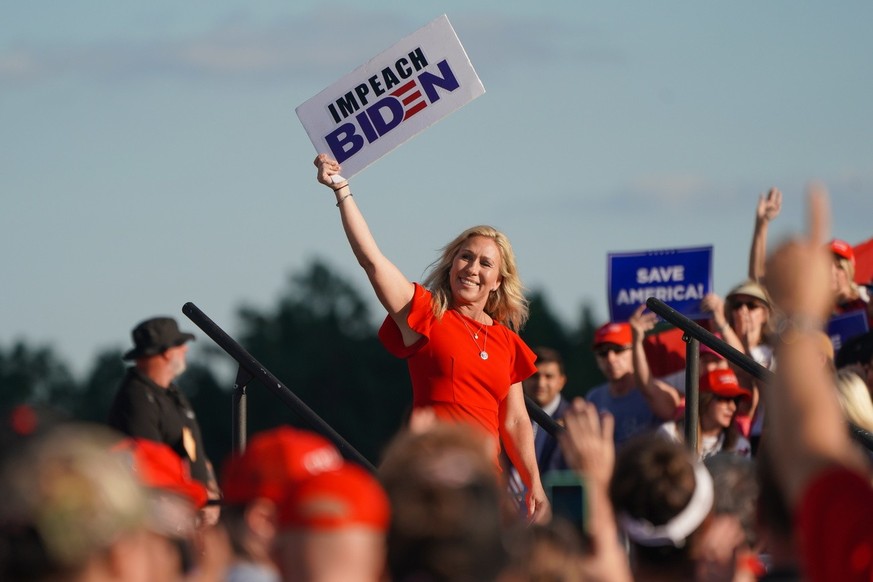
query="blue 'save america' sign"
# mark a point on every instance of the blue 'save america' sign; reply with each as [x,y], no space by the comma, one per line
[678,277]
[841,328]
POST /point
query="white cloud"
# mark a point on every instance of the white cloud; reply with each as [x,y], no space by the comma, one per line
[293,47]
[670,190]
[18,65]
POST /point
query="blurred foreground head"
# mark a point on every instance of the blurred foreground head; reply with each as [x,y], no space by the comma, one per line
[446,506]
[327,517]
[173,500]
[662,497]
[70,509]
[332,527]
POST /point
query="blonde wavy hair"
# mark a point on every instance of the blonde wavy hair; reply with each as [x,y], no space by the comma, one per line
[855,399]
[848,267]
[506,305]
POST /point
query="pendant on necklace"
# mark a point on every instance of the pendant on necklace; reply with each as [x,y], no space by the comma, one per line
[483,354]
[475,336]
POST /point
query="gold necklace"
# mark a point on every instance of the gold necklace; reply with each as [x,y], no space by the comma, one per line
[475,336]
[478,331]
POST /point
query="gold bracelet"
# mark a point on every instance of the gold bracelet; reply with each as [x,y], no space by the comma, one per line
[343,199]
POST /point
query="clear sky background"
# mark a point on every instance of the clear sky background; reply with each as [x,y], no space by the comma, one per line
[150,154]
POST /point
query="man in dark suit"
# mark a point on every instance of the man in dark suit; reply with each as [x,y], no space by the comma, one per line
[544,388]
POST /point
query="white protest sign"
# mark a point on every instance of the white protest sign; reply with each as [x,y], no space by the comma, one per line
[391,98]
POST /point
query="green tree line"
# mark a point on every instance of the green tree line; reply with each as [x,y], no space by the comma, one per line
[319,339]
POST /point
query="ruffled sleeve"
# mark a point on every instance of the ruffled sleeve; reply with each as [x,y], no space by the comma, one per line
[420,320]
[523,364]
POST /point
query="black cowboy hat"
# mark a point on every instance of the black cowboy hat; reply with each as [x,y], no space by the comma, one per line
[155,336]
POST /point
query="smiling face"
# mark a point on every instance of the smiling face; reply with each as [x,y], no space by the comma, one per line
[475,272]
[546,383]
[718,412]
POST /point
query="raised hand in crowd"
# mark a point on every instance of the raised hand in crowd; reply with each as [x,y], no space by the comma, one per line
[588,443]
[798,272]
[769,206]
[825,478]
[589,449]
[662,398]
[713,304]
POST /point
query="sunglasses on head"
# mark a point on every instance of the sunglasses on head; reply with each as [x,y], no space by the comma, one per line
[603,351]
[750,305]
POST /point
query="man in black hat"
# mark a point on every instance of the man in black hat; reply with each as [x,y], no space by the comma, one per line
[149,405]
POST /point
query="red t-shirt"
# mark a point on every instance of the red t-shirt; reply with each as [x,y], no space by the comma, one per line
[447,371]
[834,525]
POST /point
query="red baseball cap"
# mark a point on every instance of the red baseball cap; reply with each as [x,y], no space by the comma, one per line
[613,333]
[723,383]
[336,499]
[843,249]
[157,466]
[275,460]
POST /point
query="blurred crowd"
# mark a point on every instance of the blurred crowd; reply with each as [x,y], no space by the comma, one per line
[777,487]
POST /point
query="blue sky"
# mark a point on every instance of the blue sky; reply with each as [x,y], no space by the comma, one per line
[150,154]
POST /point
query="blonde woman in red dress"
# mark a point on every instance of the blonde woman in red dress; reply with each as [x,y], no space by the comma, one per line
[457,332]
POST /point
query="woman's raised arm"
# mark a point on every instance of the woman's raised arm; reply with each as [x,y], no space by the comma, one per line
[392,287]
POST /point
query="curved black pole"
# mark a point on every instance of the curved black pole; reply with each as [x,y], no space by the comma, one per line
[252,366]
[703,336]
[539,416]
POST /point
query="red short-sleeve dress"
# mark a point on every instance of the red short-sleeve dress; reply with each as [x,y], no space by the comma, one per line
[447,371]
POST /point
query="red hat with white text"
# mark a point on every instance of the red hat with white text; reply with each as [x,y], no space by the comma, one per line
[723,383]
[613,333]
[275,460]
